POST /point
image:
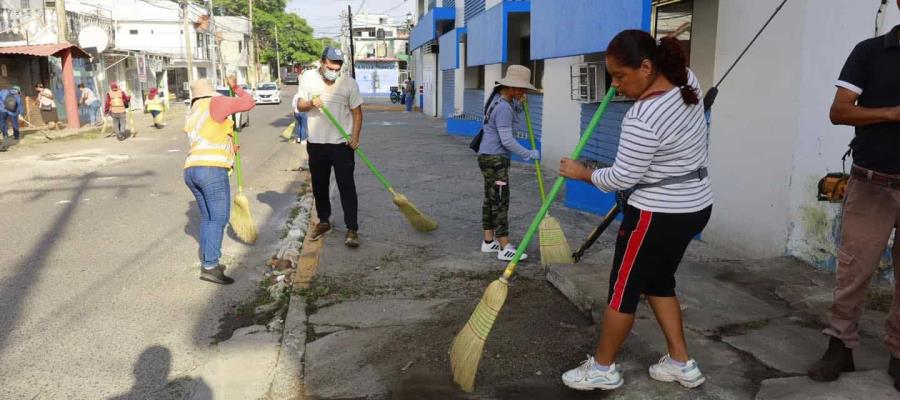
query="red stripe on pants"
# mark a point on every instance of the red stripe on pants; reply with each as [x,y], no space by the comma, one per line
[631,251]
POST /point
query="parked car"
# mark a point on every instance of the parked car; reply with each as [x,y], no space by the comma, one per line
[267,93]
[290,78]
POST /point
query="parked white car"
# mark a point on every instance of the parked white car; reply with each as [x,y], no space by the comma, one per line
[267,93]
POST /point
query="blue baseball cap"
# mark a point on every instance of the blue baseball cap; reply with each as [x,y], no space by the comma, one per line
[333,54]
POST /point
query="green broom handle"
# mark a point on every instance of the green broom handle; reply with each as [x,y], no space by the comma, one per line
[537,163]
[237,153]
[387,185]
[557,185]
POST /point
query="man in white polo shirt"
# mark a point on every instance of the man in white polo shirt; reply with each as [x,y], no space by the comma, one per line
[326,146]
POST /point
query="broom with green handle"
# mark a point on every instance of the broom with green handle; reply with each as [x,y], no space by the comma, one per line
[417,219]
[554,246]
[241,220]
[465,354]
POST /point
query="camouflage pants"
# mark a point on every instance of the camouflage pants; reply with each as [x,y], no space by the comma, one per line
[494,212]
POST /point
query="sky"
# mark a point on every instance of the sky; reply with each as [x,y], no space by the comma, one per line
[324,15]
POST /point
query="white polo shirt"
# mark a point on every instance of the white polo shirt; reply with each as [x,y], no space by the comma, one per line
[340,98]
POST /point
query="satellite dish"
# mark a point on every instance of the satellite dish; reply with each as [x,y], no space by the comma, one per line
[93,36]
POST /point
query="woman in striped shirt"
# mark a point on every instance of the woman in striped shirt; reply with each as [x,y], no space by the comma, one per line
[661,163]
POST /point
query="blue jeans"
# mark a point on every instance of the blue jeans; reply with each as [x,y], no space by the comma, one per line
[301,129]
[15,124]
[92,110]
[213,193]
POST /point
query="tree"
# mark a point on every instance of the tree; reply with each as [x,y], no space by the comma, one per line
[295,36]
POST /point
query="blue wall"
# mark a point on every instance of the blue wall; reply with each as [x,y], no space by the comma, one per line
[472,8]
[582,26]
[473,103]
[604,143]
[486,37]
[426,29]
[602,147]
[447,96]
[448,58]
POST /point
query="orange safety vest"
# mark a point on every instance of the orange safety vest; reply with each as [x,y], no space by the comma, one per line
[211,142]
[116,102]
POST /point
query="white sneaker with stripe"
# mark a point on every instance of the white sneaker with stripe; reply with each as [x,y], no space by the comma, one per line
[587,377]
[688,376]
[491,247]
[508,252]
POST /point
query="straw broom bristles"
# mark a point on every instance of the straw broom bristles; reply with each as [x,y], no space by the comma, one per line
[465,354]
[241,220]
[417,219]
[554,246]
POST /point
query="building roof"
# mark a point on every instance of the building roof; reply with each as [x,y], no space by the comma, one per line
[44,50]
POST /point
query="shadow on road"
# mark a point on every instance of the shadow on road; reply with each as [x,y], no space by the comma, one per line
[14,289]
[151,379]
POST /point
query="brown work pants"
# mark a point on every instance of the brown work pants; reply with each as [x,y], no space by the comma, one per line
[871,212]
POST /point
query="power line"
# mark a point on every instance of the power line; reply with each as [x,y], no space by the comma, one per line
[394,7]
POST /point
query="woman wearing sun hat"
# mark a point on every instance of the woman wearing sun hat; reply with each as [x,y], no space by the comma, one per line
[493,158]
[211,156]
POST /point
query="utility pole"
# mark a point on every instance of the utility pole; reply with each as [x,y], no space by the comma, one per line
[277,57]
[188,52]
[352,49]
[255,43]
[61,21]
[215,43]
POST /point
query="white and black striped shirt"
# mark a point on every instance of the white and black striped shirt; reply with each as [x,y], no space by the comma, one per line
[662,137]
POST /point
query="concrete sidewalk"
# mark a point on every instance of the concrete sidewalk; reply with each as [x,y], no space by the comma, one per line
[378,321]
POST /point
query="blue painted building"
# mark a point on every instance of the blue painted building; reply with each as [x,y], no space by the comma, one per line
[461,48]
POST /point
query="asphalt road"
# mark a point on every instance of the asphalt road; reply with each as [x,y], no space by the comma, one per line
[99,295]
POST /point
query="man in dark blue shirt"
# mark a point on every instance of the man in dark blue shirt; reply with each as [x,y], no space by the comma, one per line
[11,107]
[868,98]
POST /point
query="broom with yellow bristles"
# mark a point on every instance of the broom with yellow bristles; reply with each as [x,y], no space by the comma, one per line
[554,246]
[417,219]
[241,220]
[465,354]
[288,132]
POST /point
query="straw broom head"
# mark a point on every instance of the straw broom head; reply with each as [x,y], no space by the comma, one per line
[554,246]
[288,132]
[469,342]
[241,220]
[417,219]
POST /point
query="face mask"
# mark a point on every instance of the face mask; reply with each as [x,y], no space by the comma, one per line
[331,75]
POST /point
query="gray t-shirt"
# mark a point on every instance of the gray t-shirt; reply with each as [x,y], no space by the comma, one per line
[498,136]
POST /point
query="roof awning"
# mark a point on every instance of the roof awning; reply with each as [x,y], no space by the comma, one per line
[491,29]
[589,25]
[429,25]
[45,50]
[448,58]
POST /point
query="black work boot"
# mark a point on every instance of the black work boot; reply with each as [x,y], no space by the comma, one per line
[838,358]
[215,275]
[894,371]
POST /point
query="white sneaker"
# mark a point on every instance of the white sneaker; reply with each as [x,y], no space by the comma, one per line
[688,376]
[586,377]
[491,247]
[508,252]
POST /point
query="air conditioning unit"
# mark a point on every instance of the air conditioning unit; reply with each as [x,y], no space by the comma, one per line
[588,82]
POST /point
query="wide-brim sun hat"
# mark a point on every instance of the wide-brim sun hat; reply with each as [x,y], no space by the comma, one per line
[202,88]
[517,76]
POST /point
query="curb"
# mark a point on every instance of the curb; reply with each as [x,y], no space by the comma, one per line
[298,256]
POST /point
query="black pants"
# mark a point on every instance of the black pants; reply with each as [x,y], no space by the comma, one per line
[322,158]
[648,250]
